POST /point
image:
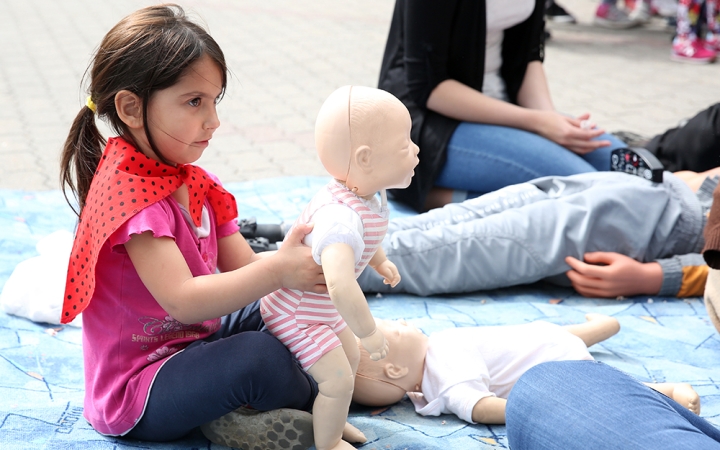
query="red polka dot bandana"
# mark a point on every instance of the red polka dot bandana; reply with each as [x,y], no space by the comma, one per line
[125,182]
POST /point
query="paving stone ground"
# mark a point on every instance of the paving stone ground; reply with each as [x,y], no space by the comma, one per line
[287,56]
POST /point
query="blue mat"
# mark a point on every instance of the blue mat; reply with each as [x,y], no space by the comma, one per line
[41,382]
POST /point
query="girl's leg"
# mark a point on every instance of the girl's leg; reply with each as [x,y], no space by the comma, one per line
[597,328]
[210,379]
[588,405]
[684,26]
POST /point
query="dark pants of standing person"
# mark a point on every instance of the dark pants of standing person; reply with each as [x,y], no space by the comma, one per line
[693,146]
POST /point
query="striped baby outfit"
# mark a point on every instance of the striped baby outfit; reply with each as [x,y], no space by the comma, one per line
[307,323]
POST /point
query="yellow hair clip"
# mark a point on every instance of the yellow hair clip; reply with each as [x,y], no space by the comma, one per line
[91,104]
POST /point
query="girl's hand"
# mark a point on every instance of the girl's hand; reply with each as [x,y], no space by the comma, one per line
[575,134]
[389,272]
[376,345]
[608,274]
[298,269]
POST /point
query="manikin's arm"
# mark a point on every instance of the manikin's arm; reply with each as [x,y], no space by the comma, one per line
[338,263]
[489,410]
[385,268]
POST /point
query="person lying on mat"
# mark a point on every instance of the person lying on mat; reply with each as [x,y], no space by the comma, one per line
[607,234]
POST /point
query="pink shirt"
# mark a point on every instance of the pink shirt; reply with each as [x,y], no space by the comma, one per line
[127,335]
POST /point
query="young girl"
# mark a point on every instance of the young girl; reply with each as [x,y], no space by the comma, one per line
[169,343]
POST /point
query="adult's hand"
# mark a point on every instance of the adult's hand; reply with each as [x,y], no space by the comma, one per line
[609,274]
[568,131]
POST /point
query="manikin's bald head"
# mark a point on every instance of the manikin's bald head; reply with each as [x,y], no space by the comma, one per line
[384,382]
[352,116]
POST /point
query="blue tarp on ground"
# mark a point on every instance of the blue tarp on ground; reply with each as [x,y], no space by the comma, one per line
[41,382]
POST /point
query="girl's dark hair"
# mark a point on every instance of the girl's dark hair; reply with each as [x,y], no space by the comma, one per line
[145,52]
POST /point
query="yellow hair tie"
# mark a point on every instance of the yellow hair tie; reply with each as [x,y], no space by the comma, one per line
[91,104]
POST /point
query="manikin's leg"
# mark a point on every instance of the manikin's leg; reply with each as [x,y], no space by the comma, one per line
[334,375]
[597,328]
[349,345]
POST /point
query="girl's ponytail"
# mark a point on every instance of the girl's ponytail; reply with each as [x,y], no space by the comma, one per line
[81,156]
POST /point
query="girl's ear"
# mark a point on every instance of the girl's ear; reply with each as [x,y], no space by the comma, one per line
[395,372]
[129,109]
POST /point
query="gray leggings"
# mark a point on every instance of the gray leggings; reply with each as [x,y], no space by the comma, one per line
[521,234]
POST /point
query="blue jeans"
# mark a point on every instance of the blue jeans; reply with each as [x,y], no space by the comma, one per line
[241,364]
[484,158]
[588,405]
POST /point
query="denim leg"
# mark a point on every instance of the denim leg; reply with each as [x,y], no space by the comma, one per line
[495,241]
[600,158]
[485,158]
[211,378]
[588,405]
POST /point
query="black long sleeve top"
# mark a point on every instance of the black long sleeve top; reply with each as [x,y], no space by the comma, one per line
[431,41]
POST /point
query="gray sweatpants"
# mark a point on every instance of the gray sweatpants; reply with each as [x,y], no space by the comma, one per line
[522,233]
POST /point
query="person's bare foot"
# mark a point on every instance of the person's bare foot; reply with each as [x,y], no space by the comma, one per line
[682,393]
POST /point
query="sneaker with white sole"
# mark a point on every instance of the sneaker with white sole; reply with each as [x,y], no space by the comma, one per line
[288,429]
[712,42]
[641,13]
[691,50]
[610,16]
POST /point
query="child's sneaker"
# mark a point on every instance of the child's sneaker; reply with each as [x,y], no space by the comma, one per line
[557,13]
[691,51]
[640,13]
[712,42]
[609,16]
[247,428]
[665,8]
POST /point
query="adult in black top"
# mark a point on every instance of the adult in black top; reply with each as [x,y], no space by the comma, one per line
[434,62]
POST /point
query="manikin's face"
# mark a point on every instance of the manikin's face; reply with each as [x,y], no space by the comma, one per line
[408,346]
[183,117]
[397,154]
